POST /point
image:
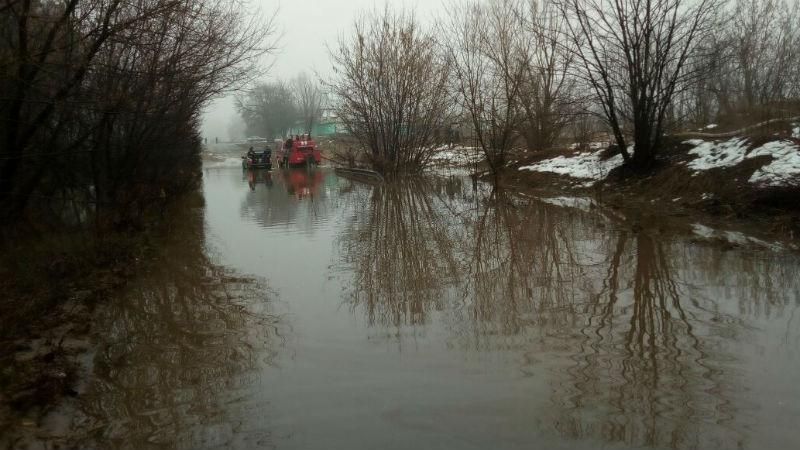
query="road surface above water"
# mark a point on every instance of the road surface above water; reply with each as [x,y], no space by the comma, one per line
[302,310]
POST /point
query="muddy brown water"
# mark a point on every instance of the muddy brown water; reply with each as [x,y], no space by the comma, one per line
[302,310]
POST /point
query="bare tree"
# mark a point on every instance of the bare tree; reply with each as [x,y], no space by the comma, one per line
[549,97]
[97,90]
[490,54]
[634,54]
[711,93]
[764,37]
[268,109]
[390,82]
[308,97]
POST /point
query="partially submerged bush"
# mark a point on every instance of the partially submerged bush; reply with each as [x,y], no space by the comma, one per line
[391,84]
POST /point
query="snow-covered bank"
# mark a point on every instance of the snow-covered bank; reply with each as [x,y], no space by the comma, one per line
[589,166]
[745,184]
[783,170]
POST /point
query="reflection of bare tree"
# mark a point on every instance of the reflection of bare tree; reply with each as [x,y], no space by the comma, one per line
[647,363]
[402,250]
[764,288]
[524,270]
[181,354]
[633,328]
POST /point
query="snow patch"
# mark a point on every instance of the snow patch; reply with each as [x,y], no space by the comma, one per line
[583,165]
[785,165]
[734,237]
[590,145]
[581,203]
[783,170]
[796,130]
[712,155]
[702,230]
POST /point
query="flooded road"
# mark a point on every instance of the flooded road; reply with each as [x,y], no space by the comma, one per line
[302,310]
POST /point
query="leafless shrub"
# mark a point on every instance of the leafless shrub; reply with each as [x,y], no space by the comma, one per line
[512,74]
[390,81]
[584,129]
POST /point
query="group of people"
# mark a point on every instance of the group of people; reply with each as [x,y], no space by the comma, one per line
[265,155]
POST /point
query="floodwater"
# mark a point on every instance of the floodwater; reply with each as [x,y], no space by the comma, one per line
[302,310]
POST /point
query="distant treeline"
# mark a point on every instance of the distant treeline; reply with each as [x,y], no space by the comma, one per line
[527,75]
[100,101]
[273,109]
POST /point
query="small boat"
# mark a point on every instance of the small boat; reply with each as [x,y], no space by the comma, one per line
[298,151]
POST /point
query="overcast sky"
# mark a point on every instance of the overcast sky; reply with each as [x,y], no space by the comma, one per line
[306,27]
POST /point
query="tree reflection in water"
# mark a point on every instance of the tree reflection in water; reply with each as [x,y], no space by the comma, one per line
[179,364]
[401,247]
[521,271]
[647,366]
[626,322]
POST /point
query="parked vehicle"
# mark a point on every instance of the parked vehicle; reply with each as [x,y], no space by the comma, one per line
[254,160]
[298,151]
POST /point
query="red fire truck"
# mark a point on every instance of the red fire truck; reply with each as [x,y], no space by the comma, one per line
[298,151]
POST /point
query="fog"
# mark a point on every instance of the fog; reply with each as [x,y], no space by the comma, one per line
[306,29]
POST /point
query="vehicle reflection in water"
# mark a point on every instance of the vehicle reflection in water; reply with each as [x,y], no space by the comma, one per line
[632,325]
[280,196]
[181,353]
[302,183]
[256,176]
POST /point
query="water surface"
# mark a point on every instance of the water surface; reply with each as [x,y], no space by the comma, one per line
[301,310]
